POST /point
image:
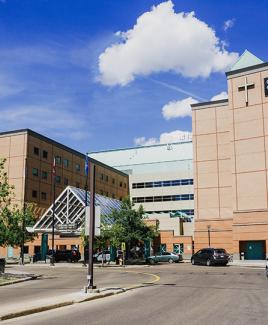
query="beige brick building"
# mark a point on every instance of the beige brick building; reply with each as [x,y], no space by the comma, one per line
[230,140]
[29,164]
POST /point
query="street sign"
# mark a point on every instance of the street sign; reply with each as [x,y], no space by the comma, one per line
[97,220]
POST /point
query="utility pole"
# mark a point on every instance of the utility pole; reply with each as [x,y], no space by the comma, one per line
[52,261]
[86,190]
[90,283]
[23,214]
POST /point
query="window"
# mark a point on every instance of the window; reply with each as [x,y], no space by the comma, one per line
[179,197]
[45,154]
[113,181]
[58,160]
[44,174]
[66,181]
[35,172]
[106,178]
[176,182]
[101,192]
[120,184]
[77,167]
[26,250]
[166,183]
[58,179]
[43,196]
[149,199]
[77,184]
[36,151]
[149,184]
[102,177]
[66,163]
[107,194]
[34,194]
[125,185]
[113,196]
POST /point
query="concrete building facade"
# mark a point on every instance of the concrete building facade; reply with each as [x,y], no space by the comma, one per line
[29,161]
[230,140]
[161,180]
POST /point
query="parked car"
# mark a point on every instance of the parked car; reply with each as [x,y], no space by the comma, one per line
[72,255]
[164,257]
[106,255]
[210,256]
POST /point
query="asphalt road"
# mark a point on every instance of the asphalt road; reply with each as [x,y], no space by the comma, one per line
[67,278]
[185,294]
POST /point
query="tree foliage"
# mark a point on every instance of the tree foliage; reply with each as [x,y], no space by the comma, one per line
[129,225]
[13,219]
[125,226]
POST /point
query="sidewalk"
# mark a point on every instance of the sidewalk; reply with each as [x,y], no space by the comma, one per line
[249,263]
[40,305]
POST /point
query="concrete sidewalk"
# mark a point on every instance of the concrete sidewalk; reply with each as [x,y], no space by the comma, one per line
[36,306]
[249,263]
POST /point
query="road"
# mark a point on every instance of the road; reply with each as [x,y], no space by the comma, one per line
[185,294]
[67,278]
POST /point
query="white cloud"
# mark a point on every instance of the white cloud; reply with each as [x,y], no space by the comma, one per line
[222,95]
[167,137]
[163,41]
[180,108]
[228,24]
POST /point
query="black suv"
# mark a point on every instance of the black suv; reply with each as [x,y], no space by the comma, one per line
[211,256]
[66,255]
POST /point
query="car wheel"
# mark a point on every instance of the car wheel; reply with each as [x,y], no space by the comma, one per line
[170,260]
[209,262]
[193,261]
[151,261]
[267,272]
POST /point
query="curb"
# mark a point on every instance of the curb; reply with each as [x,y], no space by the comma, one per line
[66,303]
[20,280]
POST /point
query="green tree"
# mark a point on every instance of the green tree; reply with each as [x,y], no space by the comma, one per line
[13,219]
[129,225]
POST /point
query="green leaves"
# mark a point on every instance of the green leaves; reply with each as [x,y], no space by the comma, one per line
[128,225]
[13,219]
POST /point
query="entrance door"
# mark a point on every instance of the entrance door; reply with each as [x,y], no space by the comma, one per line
[255,250]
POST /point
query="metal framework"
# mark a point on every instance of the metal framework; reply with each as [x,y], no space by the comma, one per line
[70,211]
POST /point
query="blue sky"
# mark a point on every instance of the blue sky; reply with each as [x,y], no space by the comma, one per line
[104,74]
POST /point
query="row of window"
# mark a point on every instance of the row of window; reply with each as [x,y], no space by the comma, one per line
[43,196]
[58,180]
[189,212]
[58,159]
[176,182]
[180,197]
[105,178]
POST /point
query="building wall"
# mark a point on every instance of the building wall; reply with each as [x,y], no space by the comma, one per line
[25,148]
[230,165]
[158,163]
[213,181]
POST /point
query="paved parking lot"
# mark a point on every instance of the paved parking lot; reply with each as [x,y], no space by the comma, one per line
[185,294]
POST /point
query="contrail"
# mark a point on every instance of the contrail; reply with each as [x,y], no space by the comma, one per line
[178,89]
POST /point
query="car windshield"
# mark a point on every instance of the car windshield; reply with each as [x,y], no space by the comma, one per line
[220,251]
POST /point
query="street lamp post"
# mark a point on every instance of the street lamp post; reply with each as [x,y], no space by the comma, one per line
[90,282]
[209,228]
[53,210]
